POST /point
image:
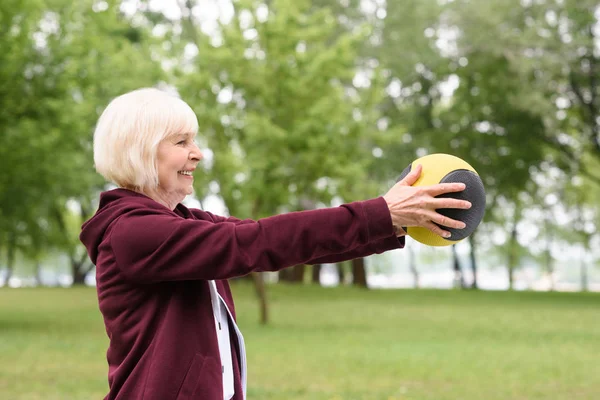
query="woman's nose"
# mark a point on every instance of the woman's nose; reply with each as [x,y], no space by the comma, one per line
[196,154]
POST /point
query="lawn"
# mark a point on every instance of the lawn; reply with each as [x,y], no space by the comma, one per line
[341,343]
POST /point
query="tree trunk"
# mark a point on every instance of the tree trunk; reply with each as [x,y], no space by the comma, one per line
[9,272]
[584,276]
[341,273]
[413,267]
[316,274]
[193,34]
[549,259]
[257,277]
[459,281]
[359,275]
[474,285]
[513,248]
[79,269]
[286,275]
[298,273]
[10,257]
[38,273]
[78,275]
[293,274]
[261,293]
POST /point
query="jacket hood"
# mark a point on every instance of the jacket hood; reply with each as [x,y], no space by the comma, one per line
[113,204]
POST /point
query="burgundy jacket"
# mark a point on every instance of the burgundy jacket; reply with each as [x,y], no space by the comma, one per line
[152,268]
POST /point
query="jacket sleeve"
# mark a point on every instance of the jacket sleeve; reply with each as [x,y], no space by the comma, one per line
[219,218]
[377,247]
[155,246]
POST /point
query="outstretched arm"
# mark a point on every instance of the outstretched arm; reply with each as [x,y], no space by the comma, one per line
[152,247]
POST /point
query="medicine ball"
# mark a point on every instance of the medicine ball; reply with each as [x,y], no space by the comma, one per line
[445,168]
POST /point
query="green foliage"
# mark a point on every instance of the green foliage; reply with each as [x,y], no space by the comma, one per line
[277,107]
[307,103]
[61,63]
[547,49]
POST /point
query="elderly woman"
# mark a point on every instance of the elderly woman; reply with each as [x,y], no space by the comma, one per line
[162,269]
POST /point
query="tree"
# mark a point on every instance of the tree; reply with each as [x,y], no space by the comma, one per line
[548,52]
[269,89]
[580,196]
[550,47]
[61,63]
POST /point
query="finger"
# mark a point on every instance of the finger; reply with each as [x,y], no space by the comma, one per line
[412,176]
[445,202]
[441,188]
[447,221]
[437,230]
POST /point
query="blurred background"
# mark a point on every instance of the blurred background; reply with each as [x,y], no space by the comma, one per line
[307,104]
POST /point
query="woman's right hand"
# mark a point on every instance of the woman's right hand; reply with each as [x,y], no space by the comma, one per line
[416,206]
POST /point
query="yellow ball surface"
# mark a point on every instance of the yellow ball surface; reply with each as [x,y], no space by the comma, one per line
[445,168]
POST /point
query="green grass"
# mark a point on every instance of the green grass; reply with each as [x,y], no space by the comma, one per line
[342,343]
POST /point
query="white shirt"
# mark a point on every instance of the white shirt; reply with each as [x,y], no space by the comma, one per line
[222,318]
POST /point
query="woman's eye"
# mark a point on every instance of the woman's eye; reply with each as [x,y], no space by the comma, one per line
[181,142]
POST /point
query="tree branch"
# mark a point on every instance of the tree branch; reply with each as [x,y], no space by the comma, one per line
[590,106]
[588,174]
[576,88]
[593,105]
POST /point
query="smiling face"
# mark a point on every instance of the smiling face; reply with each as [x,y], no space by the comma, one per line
[143,134]
[176,159]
